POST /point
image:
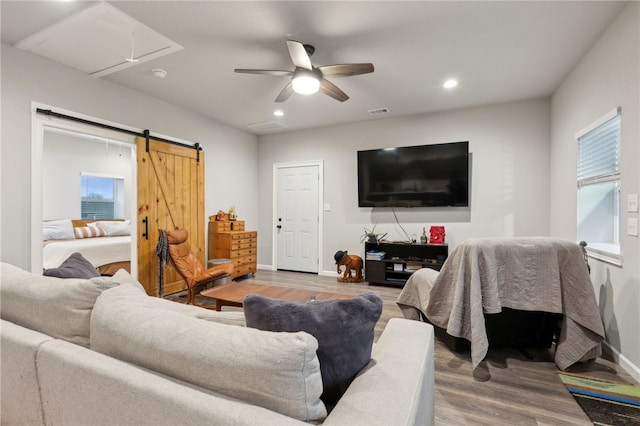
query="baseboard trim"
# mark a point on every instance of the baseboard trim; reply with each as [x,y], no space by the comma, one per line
[321,273]
[623,361]
[265,267]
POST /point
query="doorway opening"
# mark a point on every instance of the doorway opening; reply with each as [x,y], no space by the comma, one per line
[56,156]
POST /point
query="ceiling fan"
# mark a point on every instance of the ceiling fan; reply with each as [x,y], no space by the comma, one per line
[307,79]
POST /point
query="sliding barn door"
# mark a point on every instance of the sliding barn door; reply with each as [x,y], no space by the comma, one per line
[170,196]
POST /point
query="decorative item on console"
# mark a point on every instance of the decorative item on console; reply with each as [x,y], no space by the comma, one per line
[350,262]
[370,235]
[232,213]
[221,216]
[423,237]
[436,235]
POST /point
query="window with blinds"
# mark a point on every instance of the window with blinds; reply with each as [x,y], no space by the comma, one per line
[102,197]
[598,179]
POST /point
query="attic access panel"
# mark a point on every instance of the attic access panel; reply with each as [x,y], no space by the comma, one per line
[98,40]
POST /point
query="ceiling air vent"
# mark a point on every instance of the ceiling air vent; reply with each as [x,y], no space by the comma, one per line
[378,111]
[266,126]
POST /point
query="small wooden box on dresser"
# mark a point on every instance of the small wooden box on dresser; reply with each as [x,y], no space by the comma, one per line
[229,240]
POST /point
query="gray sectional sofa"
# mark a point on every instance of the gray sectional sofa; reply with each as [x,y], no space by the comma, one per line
[100,351]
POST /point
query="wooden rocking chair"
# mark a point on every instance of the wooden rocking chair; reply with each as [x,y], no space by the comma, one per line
[190,267]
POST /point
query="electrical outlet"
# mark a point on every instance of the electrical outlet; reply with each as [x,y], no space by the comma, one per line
[632,226]
[632,203]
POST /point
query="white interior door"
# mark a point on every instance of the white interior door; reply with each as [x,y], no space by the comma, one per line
[297,218]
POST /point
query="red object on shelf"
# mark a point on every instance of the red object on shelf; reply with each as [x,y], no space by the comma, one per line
[436,235]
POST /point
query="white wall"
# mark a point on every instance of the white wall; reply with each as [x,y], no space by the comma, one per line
[509,144]
[230,154]
[607,77]
[65,157]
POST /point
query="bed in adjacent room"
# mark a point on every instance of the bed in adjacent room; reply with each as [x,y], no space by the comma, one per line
[482,277]
[106,244]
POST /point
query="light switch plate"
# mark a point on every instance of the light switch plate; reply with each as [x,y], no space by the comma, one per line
[326,207]
[632,226]
[632,203]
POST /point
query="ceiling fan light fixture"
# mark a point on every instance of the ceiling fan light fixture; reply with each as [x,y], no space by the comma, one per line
[450,84]
[307,79]
[305,82]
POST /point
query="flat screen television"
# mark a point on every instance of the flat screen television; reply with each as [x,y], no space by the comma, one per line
[414,176]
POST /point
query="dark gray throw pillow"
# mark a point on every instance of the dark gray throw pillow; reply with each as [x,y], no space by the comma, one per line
[76,266]
[344,329]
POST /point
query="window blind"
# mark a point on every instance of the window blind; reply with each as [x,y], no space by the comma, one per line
[599,153]
[96,188]
[102,197]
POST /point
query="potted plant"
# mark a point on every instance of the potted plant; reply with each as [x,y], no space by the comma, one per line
[370,235]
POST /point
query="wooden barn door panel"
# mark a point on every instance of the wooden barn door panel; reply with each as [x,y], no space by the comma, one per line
[170,196]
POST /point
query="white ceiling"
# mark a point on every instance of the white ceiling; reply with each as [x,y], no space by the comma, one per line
[499,51]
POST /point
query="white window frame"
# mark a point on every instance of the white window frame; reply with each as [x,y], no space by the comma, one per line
[118,193]
[607,252]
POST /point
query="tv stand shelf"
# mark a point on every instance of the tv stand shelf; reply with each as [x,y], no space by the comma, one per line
[401,260]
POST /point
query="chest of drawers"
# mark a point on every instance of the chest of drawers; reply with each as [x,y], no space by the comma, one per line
[229,240]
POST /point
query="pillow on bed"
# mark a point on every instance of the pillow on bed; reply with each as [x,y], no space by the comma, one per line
[57,230]
[344,329]
[76,266]
[115,228]
[89,231]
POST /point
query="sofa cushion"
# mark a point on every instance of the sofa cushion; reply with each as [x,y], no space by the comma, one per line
[119,278]
[81,387]
[20,403]
[53,306]
[344,329]
[75,266]
[278,371]
[225,317]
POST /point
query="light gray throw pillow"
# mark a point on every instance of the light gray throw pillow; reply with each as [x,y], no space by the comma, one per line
[278,371]
[53,306]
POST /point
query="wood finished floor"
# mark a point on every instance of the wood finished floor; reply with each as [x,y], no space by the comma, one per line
[506,389]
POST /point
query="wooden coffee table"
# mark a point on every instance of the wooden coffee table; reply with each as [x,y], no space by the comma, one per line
[233,294]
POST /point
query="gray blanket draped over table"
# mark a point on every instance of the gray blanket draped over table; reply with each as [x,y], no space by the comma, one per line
[531,274]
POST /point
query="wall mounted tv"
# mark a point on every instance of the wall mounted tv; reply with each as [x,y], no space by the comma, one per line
[414,176]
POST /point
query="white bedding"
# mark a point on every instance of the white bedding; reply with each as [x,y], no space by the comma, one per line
[99,251]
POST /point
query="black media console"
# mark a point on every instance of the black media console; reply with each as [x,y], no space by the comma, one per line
[401,260]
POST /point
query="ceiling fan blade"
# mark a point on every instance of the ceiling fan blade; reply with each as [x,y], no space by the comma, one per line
[286,92]
[332,90]
[345,70]
[299,55]
[265,72]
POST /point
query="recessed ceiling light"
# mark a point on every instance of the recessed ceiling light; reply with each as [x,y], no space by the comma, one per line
[450,84]
[278,113]
[158,72]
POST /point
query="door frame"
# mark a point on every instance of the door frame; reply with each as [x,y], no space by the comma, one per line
[39,124]
[274,235]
